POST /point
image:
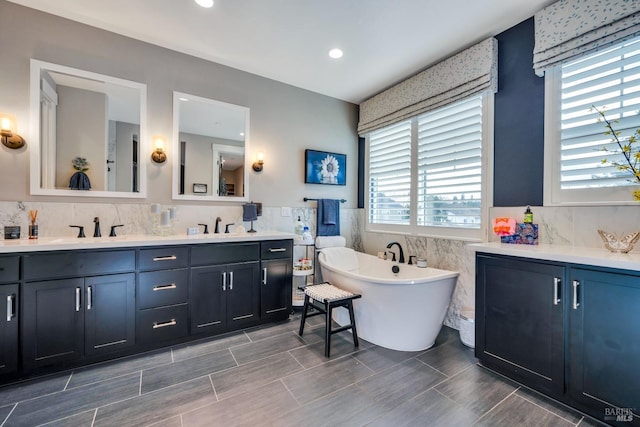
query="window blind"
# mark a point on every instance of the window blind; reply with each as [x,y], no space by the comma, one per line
[608,80]
[390,174]
[450,165]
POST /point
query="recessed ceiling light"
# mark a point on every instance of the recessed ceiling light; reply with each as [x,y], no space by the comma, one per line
[205,3]
[335,53]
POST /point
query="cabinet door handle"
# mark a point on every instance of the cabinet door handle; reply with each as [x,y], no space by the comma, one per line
[10,313]
[77,299]
[231,280]
[224,280]
[264,276]
[272,250]
[165,258]
[89,298]
[164,287]
[171,322]
[575,304]
[557,282]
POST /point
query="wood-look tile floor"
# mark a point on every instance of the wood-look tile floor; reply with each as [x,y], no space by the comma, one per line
[269,376]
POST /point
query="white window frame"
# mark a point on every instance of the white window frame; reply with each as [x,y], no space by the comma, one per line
[554,195]
[450,233]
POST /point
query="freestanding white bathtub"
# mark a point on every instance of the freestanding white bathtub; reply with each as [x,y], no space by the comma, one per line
[403,311]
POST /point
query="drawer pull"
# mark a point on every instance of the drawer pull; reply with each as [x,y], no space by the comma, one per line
[89,298]
[556,290]
[165,258]
[246,316]
[164,287]
[77,299]
[575,304]
[10,313]
[275,310]
[171,322]
[204,325]
[272,250]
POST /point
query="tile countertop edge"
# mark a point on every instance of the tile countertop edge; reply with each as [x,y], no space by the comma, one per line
[71,243]
[569,254]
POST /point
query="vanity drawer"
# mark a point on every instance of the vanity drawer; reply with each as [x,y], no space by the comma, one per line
[225,253]
[163,258]
[52,265]
[274,249]
[165,287]
[162,324]
[9,269]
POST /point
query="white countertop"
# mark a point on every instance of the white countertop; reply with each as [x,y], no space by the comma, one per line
[73,243]
[570,254]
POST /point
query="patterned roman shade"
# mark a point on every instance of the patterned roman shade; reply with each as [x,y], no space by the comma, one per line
[568,29]
[469,72]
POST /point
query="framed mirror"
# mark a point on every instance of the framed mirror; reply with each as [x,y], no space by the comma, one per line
[211,142]
[88,133]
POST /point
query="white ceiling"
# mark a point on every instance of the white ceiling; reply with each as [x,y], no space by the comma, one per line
[384,41]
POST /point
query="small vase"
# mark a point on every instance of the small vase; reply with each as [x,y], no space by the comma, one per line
[636,195]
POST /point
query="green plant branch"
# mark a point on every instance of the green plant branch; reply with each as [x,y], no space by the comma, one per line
[625,149]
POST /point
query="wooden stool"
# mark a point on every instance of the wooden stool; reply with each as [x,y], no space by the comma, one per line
[330,297]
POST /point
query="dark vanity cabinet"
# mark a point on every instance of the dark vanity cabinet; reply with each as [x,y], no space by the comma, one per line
[85,308]
[276,279]
[519,320]
[604,341]
[68,308]
[225,293]
[9,306]
[569,331]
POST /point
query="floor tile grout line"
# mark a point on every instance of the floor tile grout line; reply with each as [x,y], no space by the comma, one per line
[291,393]
[215,393]
[8,415]
[542,407]
[234,359]
[296,359]
[95,414]
[140,385]
[498,404]
[68,381]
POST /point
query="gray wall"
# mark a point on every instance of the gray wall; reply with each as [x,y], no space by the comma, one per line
[284,120]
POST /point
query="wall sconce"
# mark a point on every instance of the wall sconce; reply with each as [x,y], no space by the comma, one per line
[10,139]
[158,155]
[258,165]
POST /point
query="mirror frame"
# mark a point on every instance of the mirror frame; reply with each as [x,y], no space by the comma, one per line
[34,146]
[176,149]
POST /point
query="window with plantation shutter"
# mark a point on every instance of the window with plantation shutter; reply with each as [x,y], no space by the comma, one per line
[390,174]
[426,174]
[580,150]
[450,165]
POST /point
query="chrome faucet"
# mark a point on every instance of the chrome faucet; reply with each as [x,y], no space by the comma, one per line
[401,259]
[96,230]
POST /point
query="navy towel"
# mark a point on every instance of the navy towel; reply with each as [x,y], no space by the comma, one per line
[328,221]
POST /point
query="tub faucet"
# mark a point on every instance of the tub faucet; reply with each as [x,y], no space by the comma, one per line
[401,252]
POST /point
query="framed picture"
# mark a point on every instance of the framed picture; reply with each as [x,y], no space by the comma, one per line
[199,188]
[322,167]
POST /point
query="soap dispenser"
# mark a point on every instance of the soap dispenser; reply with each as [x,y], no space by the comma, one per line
[299,228]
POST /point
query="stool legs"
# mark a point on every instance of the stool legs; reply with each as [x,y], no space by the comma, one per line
[327,329]
[327,309]
[352,319]
[304,314]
